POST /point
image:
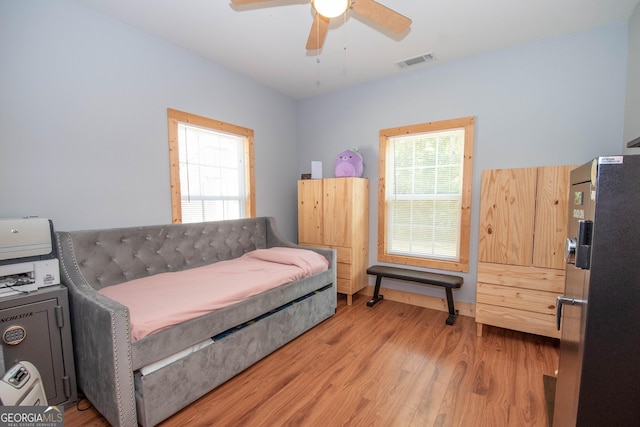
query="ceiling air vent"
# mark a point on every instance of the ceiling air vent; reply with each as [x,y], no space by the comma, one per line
[427,57]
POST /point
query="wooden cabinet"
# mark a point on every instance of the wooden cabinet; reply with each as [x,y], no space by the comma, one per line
[523,220]
[334,213]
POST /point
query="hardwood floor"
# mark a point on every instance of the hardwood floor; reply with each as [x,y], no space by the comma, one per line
[390,365]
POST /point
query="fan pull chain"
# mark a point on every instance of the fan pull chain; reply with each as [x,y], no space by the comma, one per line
[344,43]
[317,16]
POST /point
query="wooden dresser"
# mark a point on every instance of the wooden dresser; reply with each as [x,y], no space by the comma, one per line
[523,220]
[334,213]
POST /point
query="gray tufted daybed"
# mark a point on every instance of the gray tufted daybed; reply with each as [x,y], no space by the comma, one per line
[110,364]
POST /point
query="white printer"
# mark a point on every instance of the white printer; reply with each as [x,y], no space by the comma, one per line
[28,259]
[22,385]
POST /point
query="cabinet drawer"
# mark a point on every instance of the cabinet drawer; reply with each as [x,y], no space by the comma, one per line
[349,287]
[524,299]
[542,279]
[518,320]
[344,253]
[344,271]
[345,286]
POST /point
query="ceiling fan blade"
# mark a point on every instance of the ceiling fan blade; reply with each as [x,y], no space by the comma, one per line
[382,15]
[318,32]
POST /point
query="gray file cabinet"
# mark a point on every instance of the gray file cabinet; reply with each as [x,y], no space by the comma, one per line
[35,327]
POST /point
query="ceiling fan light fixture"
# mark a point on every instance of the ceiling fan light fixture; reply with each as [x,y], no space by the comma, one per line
[331,8]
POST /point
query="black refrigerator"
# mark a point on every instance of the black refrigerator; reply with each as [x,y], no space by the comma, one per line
[598,382]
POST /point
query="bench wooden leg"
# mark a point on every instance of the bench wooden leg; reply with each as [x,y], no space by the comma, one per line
[376,293]
[452,311]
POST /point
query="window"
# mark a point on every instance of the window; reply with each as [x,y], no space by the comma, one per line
[424,194]
[211,168]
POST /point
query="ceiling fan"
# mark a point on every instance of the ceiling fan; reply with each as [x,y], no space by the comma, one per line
[327,9]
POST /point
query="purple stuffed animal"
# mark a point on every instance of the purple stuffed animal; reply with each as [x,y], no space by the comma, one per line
[349,163]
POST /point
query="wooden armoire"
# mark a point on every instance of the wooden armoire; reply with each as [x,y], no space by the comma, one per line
[523,228]
[334,213]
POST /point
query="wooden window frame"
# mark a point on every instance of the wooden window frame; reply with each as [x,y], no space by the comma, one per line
[461,265]
[176,116]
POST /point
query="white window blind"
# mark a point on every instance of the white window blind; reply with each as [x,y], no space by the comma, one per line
[424,194]
[212,174]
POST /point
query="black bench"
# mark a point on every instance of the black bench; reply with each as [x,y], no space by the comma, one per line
[449,282]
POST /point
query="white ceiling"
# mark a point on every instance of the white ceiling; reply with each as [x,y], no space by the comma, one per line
[267,41]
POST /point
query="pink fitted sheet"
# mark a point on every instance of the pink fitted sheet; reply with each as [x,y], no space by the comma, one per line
[163,300]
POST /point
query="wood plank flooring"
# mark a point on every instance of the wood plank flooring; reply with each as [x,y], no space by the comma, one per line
[390,365]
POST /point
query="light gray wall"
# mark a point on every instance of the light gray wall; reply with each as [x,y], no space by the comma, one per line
[558,101]
[83,122]
[83,101]
[632,104]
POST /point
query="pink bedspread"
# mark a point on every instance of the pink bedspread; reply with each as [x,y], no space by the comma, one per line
[160,301]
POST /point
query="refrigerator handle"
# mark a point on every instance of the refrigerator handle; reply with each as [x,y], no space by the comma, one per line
[560,301]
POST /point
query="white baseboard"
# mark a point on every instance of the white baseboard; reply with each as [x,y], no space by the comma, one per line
[464,308]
